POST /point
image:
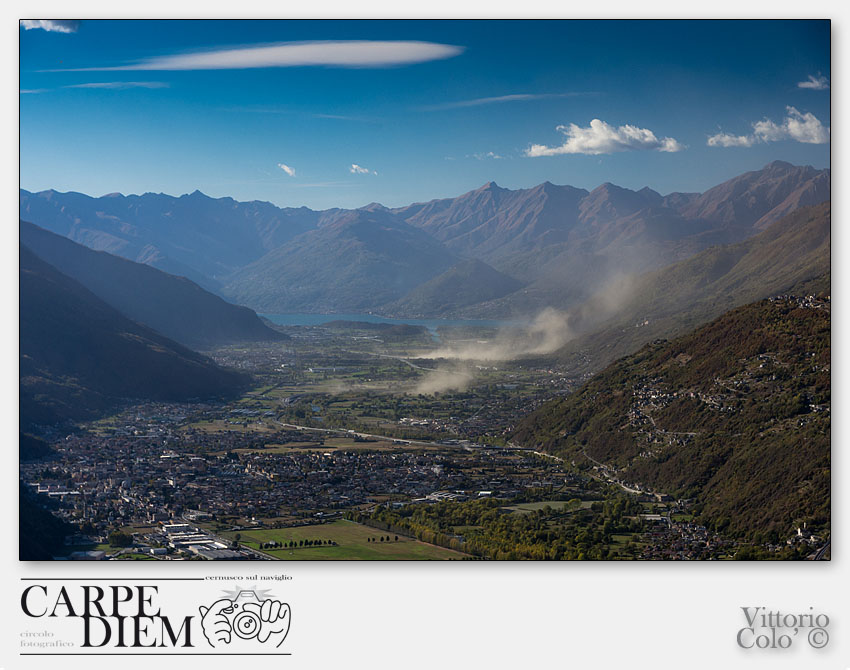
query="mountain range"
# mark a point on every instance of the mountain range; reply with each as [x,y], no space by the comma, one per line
[560,244]
[194,236]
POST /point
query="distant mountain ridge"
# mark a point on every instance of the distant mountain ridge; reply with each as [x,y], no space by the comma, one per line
[363,260]
[758,199]
[560,242]
[193,235]
[173,306]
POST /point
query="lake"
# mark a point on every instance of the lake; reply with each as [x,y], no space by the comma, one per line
[430,324]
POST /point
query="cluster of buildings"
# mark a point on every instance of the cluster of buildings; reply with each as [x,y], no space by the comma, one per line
[804,302]
[191,539]
[151,471]
[683,540]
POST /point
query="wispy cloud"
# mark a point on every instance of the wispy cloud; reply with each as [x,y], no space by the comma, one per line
[819,83]
[485,156]
[495,100]
[796,126]
[51,25]
[344,117]
[287,169]
[602,138]
[120,85]
[257,109]
[359,169]
[33,90]
[354,54]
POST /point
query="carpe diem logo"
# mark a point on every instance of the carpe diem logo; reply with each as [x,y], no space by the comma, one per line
[150,616]
[245,616]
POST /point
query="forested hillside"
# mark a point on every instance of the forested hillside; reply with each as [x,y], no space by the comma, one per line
[735,415]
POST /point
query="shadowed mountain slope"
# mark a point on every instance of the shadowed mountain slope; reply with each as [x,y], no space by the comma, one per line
[79,356]
[173,306]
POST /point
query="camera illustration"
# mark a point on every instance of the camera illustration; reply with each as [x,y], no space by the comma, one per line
[245,623]
[247,617]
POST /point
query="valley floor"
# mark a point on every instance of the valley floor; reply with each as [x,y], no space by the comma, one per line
[336,455]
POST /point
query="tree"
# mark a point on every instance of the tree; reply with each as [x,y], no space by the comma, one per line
[120,539]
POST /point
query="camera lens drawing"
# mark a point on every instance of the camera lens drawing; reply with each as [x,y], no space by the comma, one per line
[246,625]
[264,620]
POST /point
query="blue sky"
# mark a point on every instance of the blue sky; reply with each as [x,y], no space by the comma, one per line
[336,113]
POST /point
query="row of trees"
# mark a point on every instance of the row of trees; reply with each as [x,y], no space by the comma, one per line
[292,544]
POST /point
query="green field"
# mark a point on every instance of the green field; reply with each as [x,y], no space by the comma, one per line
[554,504]
[136,557]
[352,544]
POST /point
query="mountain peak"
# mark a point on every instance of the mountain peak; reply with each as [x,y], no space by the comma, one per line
[608,188]
[778,165]
[491,186]
[374,207]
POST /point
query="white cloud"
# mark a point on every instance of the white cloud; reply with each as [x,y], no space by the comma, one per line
[51,25]
[805,127]
[361,54]
[601,138]
[819,83]
[118,85]
[359,169]
[768,131]
[288,170]
[727,140]
[796,126]
[33,90]
[513,97]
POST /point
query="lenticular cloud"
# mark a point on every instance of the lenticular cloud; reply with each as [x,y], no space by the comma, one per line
[357,54]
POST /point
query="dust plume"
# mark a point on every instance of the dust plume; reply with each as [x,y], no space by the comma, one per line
[550,330]
[545,334]
[445,378]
